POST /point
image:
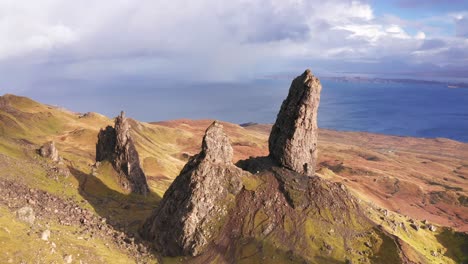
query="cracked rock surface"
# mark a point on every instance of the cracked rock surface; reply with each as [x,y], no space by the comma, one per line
[293,138]
[198,200]
[116,145]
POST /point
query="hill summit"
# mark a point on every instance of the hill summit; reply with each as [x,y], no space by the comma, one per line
[280,204]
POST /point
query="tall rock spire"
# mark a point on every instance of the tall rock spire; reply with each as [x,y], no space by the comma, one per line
[197,200]
[116,145]
[293,138]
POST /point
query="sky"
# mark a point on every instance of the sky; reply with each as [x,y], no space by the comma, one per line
[90,54]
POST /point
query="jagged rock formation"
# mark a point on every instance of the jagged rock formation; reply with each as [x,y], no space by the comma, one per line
[116,145]
[198,200]
[106,144]
[48,150]
[293,138]
[221,214]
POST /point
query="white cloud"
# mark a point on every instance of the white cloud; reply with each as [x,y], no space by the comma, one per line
[396,31]
[420,35]
[203,39]
[374,32]
[371,32]
[20,36]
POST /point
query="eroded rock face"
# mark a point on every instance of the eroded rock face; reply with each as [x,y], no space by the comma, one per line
[293,138]
[106,144]
[48,150]
[216,147]
[198,200]
[116,145]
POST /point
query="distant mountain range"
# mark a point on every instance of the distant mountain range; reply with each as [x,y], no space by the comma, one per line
[360,79]
[363,79]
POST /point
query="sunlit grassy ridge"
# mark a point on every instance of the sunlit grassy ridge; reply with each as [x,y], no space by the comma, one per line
[25,125]
[423,178]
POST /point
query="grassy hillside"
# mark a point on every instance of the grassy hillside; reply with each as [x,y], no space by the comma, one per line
[400,180]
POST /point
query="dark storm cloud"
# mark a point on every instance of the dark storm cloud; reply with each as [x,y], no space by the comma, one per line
[278,31]
[82,53]
[432,44]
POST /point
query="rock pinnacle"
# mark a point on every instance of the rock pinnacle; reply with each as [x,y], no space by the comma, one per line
[197,200]
[293,138]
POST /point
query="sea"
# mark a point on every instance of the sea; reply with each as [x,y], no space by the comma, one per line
[428,110]
[406,109]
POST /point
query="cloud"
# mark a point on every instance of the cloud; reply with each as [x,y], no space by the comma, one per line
[206,39]
[461,26]
[19,35]
[432,44]
[431,3]
[420,35]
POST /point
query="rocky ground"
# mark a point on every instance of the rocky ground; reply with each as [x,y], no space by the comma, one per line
[43,208]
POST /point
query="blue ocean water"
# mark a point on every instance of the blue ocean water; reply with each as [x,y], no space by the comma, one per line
[407,109]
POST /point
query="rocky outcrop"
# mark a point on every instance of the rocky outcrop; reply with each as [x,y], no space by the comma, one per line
[220,213]
[293,138]
[116,145]
[39,208]
[54,169]
[48,150]
[106,144]
[198,200]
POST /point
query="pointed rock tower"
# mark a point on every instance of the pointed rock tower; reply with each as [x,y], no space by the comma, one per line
[197,202]
[293,138]
[116,145]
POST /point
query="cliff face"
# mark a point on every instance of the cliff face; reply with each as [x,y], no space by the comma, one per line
[293,138]
[116,145]
[198,200]
[106,144]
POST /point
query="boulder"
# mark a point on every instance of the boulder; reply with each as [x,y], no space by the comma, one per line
[48,150]
[45,235]
[68,259]
[26,214]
